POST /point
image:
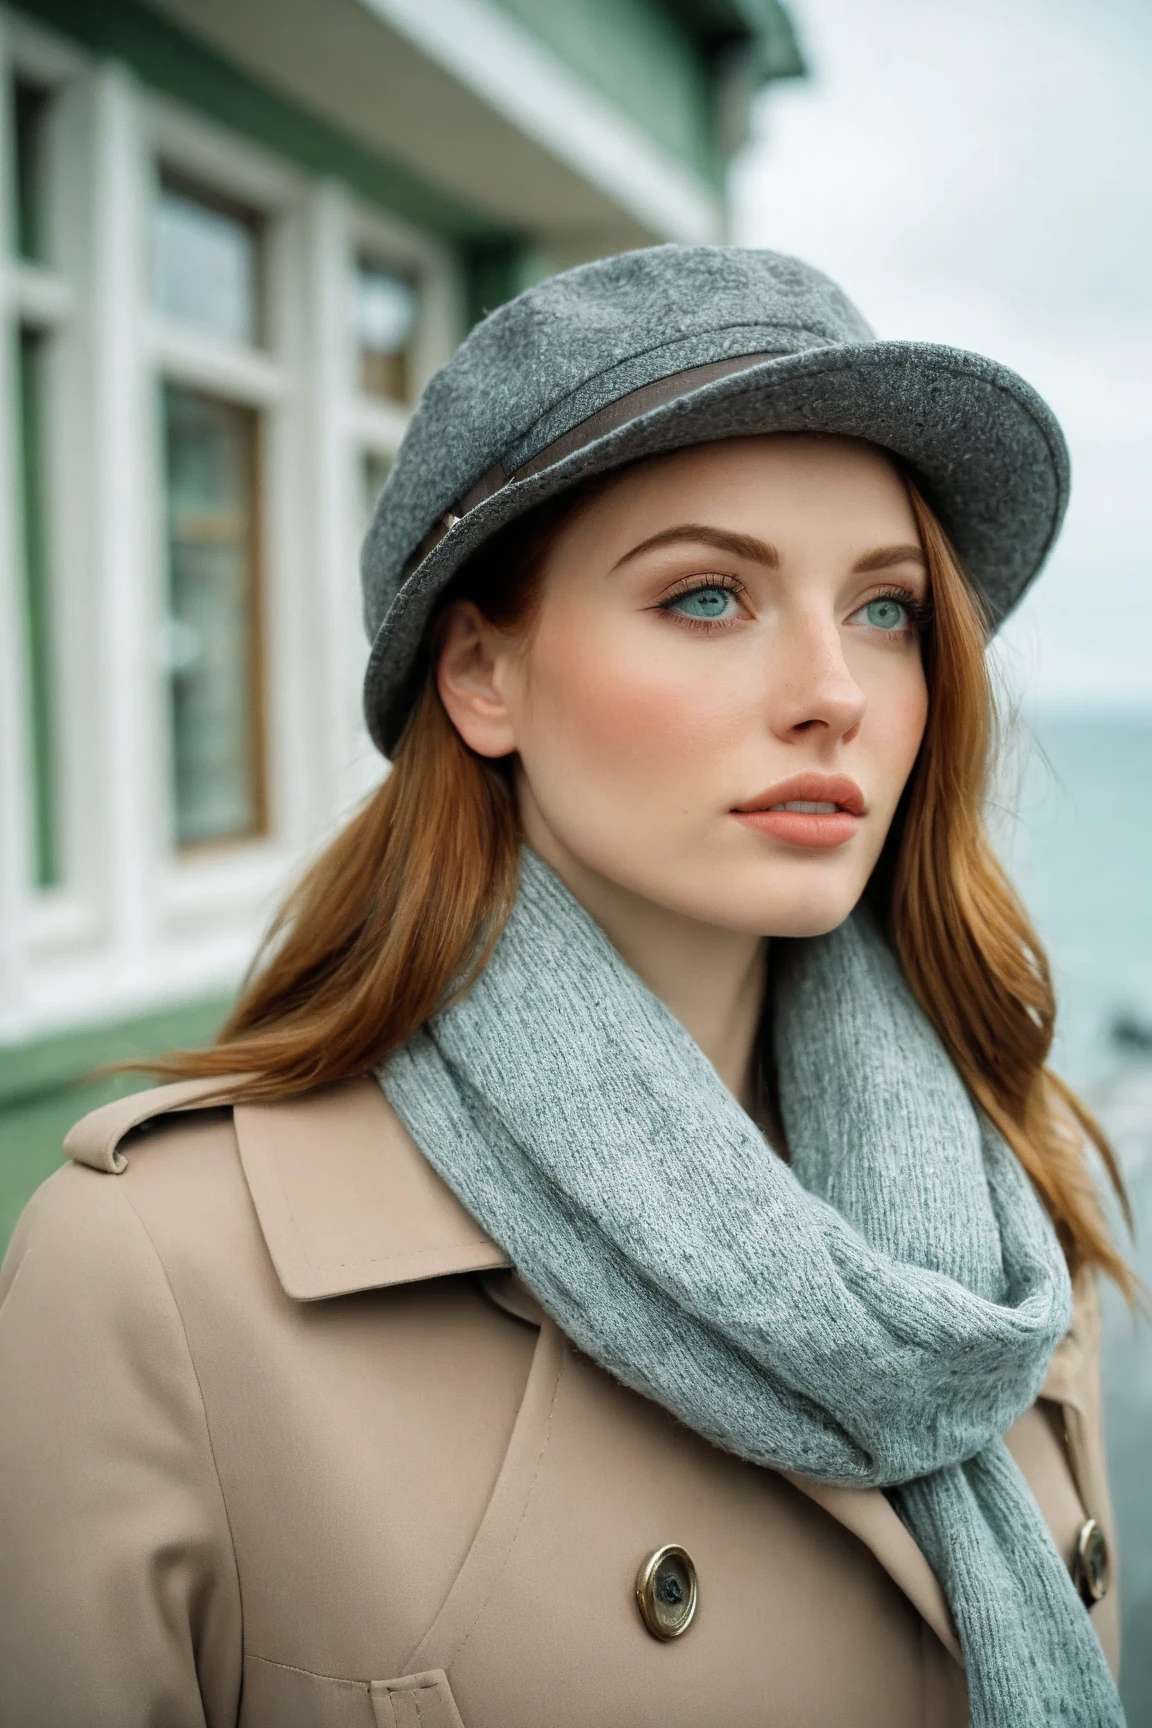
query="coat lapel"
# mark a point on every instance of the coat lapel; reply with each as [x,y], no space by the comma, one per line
[347,1202]
[869,1516]
[345,1198]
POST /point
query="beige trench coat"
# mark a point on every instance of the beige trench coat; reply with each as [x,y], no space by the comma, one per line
[283,1444]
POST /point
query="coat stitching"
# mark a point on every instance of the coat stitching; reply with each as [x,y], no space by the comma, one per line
[483,1609]
[309,1673]
[203,1409]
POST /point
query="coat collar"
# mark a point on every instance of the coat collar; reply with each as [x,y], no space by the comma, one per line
[347,1202]
[345,1198]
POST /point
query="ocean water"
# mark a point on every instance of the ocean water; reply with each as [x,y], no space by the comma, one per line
[1076,834]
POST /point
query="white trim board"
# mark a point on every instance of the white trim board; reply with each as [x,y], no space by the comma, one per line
[516,75]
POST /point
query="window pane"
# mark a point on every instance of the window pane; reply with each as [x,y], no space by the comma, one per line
[213,647]
[32,355]
[385,308]
[373,473]
[206,263]
[30,105]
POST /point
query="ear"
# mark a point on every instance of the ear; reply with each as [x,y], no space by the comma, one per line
[471,675]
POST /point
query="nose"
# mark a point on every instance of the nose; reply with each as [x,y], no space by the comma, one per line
[811,684]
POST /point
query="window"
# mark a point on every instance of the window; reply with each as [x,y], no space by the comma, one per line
[31,360]
[387,323]
[206,262]
[38,298]
[31,104]
[386,305]
[213,633]
[207,267]
[205,390]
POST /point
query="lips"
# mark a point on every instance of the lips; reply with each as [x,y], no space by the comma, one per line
[810,809]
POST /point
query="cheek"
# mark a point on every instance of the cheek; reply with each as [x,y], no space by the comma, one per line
[623,699]
[895,719]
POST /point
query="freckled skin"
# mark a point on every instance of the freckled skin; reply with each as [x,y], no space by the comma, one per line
[638,729]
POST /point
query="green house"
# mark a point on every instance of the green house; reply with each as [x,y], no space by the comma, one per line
[235,238]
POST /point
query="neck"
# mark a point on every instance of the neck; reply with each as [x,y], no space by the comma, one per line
[713,980]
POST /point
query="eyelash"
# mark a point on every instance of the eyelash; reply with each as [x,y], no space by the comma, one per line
[696,585]
[919,611]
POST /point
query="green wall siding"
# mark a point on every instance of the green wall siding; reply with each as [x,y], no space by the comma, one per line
[638,56]
[46,1086]
[495,271]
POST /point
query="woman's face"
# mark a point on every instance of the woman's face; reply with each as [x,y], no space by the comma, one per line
[721,695]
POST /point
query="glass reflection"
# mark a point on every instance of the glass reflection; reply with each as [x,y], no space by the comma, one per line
[31,113]
[206,263]
[212,644]
[385,306]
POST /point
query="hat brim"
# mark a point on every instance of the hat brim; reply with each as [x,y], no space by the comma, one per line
[985,449]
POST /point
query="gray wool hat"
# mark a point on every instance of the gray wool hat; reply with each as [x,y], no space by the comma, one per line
[657,349]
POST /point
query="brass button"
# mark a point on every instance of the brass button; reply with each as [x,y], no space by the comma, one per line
[1091,1563]
[666,1591]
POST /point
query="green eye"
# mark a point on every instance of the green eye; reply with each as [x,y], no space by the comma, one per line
[886,613]
[702,603]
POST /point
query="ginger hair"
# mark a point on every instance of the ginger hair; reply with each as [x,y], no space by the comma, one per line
[399,913]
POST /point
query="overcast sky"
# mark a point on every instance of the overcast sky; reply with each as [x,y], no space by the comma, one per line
[979,172]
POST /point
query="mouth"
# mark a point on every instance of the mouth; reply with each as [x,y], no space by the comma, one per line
[810,810]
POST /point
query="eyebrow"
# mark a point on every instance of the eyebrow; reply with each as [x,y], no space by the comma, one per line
[741,545]
[763,552]
[884,557]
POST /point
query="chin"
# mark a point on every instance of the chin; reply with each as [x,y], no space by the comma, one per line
[806,921]
[806,902]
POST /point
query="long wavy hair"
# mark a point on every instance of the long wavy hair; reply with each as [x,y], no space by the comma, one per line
[401,910]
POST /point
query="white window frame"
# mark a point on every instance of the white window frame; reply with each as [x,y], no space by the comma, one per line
[359,425]
[200,885]
[51,297]
[137,923]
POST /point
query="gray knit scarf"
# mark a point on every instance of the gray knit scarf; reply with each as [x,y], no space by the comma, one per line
[877,1312]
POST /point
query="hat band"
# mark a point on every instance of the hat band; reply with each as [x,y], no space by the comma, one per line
[607,419]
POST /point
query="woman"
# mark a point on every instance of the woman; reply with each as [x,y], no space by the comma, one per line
[593,1276]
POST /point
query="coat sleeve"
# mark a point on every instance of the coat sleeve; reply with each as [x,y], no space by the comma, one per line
[119,1600]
